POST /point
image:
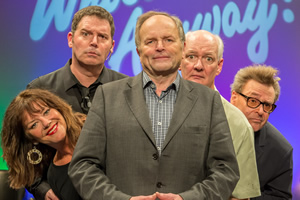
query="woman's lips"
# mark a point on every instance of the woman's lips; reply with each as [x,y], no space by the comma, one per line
[53,129]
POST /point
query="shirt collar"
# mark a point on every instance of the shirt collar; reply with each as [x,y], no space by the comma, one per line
[104,76]
[71,80]
[216,88]
[147,81]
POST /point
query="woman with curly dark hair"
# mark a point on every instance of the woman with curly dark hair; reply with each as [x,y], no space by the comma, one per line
[39,134]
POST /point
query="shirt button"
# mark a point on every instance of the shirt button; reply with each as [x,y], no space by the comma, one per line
[159,123]
[159,185]
[160,101]
[158,148]
[155,156]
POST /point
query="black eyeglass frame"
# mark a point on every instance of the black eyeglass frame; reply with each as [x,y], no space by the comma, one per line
[247,98]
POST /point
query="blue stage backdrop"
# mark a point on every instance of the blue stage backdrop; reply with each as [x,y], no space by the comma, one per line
[34,42]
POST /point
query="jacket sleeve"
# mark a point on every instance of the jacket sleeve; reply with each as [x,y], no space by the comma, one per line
[39,189]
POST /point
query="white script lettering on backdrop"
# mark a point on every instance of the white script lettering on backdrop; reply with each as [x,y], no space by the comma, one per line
[259,17]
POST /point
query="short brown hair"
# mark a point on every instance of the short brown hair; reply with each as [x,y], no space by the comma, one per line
[98,11]
[263,74]
[149,14]
[16,143]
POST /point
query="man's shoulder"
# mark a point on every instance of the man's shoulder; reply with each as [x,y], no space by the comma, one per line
[120,83]
[55,74]
[197,88]
[114,75]
[240,128]
[235,115]
[274,137]
[49,79]
[274,142]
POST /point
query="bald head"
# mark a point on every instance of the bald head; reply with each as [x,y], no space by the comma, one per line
[203,35]
[202,60]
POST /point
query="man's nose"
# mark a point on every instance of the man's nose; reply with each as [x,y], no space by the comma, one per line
[198,65]
[94,41]
[260,109]
[160,46]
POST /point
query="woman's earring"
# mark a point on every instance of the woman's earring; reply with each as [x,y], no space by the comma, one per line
[34,154]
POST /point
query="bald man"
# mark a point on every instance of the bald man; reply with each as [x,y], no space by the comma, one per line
[164,138]
[202,62]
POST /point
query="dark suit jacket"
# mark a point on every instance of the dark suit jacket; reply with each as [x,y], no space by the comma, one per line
[61,83]
[62,80]
[116,157]
[274,156]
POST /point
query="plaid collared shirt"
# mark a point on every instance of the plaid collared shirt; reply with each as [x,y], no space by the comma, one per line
[160,108]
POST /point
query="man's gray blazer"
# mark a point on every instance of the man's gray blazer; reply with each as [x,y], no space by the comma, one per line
[116,156]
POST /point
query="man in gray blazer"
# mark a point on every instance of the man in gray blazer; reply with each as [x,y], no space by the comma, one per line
[155,135]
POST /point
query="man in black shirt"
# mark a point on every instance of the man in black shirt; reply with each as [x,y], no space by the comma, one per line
[91,40]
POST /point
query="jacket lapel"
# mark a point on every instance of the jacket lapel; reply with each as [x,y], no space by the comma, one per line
[184,103]
[135,99]
[260,141]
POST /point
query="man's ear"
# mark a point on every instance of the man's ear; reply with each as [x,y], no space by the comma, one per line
[182,55]
[233,97]
[220,66]
[112,47]
[70,39]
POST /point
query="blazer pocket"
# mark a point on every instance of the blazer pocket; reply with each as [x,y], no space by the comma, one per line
[195,129]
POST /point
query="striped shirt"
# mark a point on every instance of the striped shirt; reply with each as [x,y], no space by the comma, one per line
[160,108]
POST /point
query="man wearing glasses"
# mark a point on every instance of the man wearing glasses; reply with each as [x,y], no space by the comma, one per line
[254,91]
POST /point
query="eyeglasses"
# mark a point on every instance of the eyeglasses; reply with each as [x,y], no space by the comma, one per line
[254,103]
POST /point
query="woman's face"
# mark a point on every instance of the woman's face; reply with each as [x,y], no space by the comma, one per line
[46,126]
